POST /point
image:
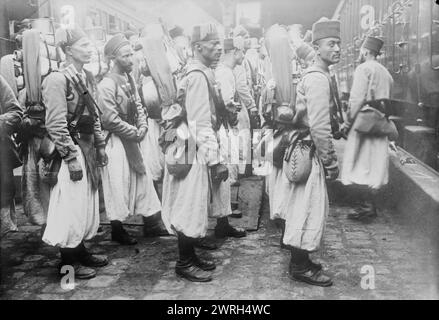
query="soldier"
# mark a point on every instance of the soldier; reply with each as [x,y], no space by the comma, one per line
[308,205]
[127,185]
[74,127]
[248,115]
[233,56]
[188,200]
[366,158]
[10,116]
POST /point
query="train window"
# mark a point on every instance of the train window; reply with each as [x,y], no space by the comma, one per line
[435,36]
[401,33]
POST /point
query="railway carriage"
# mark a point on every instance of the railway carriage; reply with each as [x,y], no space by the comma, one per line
[410,30]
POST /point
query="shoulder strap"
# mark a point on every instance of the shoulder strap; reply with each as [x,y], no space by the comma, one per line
[204,74]
[79,110]
[332,92]
[212,95]
[325,74]
[132,108]
[129,93]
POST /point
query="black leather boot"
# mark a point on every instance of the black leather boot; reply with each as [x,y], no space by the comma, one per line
[119,234]
[186,267]
[90,260]
[206,243]
[153,226]
[203,264]
[365,211]
[223,229]
[303,270]
[69,259]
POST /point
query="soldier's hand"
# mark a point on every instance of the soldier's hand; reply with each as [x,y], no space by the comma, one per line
[344,129]
[219,173]
[141,133]
[101,157]
[238,106]
[75,170]
[393,147]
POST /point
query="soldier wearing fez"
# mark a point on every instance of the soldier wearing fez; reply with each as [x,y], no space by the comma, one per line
[366,157]
[74,127]
[205,188]
[127,186]
[307,204]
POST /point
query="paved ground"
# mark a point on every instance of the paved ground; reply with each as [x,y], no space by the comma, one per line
[253,268]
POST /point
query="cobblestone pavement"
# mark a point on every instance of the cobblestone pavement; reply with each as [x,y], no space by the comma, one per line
[250,268]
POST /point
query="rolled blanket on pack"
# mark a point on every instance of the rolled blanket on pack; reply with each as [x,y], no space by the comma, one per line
[159,66]
[281,55]
[8,72]
[32,64]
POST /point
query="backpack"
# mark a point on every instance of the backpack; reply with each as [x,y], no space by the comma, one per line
[176,142]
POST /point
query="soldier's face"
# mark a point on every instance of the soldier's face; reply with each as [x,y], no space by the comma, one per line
[329,50]
[363,54]
[81,51]
[210,50]
[124,58]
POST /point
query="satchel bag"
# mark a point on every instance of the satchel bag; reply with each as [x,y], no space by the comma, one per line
[372,122]
[49,170]
[298,161]
[372,119]
[178,157]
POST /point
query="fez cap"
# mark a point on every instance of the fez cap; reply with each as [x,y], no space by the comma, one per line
[66,37]
[175,32]
[205,32]
[114,44]
[234,43]
[373,44]
[304,50]
[325,28]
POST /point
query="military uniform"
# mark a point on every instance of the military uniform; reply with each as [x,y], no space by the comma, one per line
[245,96]
[73,213]
[226,79]
[182,211]
[307,206]
[10,116]
[366,158]
[127,186]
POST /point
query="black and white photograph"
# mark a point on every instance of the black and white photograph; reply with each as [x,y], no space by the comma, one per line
[241,152]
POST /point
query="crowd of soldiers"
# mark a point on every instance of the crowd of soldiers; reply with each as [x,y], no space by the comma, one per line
[87,144]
